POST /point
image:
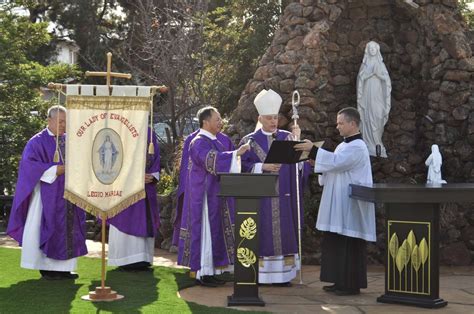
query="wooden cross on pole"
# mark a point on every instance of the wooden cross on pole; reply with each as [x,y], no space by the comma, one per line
[109,74]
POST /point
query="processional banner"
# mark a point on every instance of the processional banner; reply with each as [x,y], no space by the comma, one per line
[106,139]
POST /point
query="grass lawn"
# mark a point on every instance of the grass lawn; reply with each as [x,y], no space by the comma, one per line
[23,291]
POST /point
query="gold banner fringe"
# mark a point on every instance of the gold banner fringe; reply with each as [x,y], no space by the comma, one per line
[96,211]
[108,102]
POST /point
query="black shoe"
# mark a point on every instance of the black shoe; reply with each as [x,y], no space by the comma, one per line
[330,288]
[206,282]
[216,280]
[68,275]
[135,267]
[282,284]
[50,275]
[58,275]
[226,277]
[343,292]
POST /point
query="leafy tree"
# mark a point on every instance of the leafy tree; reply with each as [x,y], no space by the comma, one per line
[203,57]
[96,26]
[467,12]
[163,46]
[236,35]
[22,111]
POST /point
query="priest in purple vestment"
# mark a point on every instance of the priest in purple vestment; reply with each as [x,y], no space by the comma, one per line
[183,170]
[50,229]
[132,232]
[206,242]
[278,223]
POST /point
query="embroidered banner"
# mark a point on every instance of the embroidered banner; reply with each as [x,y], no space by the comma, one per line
[106,147]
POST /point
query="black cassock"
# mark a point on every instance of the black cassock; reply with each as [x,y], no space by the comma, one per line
[344,261]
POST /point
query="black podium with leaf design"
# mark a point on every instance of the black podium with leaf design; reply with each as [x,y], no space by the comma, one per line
[247,190]
[412,221]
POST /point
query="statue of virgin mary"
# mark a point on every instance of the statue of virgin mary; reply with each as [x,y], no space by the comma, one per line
[373,98]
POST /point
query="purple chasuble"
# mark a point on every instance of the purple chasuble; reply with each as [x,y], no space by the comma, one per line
[183,170]
[62,230]
[142,219]
[278,222]
[206,158]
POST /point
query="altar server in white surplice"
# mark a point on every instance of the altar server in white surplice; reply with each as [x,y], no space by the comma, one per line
[347,223]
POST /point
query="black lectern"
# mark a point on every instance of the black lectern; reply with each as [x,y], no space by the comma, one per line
[247,189]
[412,257]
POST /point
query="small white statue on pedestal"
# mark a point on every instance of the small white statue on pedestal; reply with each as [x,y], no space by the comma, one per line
[374,88]
[434,162]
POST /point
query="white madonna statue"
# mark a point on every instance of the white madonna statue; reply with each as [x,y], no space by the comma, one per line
[373,98]
[434,162]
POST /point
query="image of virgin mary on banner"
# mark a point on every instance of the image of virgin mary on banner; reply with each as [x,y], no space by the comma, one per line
[106,146]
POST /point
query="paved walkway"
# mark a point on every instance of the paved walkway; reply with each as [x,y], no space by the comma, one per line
[457,287]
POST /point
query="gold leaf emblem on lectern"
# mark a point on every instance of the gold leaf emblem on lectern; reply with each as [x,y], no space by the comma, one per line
[246,257]
[415,258]
[393,245]
[424,251]
[402,256]
[248,228]
[393,250]
[416,263]
[411,239]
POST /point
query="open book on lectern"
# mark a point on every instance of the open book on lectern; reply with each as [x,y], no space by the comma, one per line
[283,152]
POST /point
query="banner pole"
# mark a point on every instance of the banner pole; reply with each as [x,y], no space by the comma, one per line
[104,218]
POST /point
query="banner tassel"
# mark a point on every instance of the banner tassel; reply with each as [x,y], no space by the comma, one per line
[151,148]
[56,155]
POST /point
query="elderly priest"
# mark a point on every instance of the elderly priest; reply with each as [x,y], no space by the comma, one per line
[278,223]
[50,229]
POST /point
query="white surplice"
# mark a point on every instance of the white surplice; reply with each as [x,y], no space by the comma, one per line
[31,255]
[338,213]
[127,249]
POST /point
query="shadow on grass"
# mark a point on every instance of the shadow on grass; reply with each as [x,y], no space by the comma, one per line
[138,289]
[39,295]
[183,280]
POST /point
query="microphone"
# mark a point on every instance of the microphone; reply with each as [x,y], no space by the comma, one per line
[250,141]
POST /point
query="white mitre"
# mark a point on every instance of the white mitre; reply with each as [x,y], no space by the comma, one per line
[268,102]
